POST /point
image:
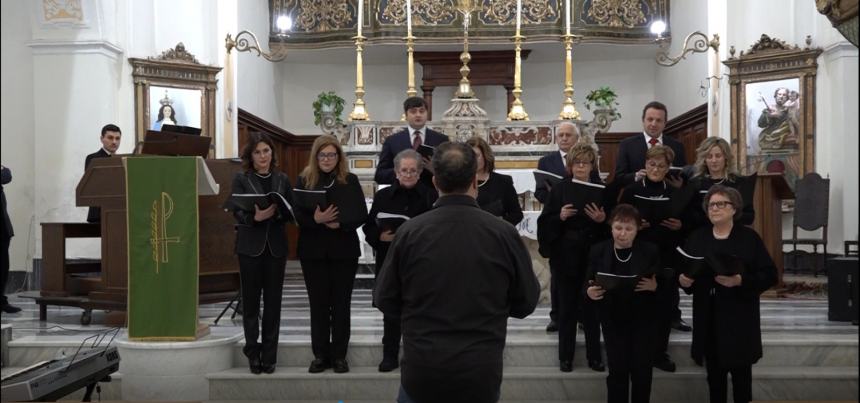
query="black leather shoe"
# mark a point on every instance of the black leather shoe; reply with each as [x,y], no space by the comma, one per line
[11,309]
[665,364]
[268,368]
[597,366]
[681,325]
[254,365]
[566,366]
[553,326]
[388,364]
[319,365]
[340,366]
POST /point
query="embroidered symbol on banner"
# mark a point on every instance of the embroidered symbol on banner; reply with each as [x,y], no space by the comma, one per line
[159,239]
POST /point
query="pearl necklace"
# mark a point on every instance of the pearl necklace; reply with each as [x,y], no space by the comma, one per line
[718,236]
[263,176]
[619,258]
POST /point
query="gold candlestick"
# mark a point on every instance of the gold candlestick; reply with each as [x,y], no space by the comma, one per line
[358,110]
[410,75]
[568,110]
[517,112]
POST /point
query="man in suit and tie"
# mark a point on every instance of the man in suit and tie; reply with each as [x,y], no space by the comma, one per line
[111,136]
[630,165]
[415,134]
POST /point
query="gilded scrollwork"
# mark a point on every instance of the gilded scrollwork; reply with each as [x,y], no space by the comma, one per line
[619,13]
[505,12]
[324,15]
[424,12]
[177,54]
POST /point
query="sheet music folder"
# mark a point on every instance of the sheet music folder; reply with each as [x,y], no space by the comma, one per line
[170,143]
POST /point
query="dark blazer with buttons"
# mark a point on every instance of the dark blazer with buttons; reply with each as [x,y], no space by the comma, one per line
[631,155]
[398,142]
[316,241]
[94,214]
[253,236]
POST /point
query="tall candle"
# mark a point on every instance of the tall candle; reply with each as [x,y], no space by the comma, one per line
[567,16]
[360,15]
[519,16]
[408,17]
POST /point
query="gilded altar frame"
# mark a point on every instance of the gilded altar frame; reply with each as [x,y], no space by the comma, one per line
[176,72]
[767,70]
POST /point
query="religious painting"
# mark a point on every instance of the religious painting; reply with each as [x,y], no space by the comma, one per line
[174,106]
[773,108]
[175,89]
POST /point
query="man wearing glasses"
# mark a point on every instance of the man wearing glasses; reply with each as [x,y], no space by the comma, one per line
[406,197]
[415,134]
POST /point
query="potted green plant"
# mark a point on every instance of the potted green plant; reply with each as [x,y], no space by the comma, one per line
[603,98]
[328,102]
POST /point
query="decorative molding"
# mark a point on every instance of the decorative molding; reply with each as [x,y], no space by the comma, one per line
[67,11]
[76,47]
[177,54]
[767,44]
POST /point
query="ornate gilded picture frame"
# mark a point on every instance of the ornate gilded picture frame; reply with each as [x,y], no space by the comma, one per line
[773,108]
[174,88]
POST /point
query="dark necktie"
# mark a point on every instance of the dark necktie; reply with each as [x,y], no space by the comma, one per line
[416,140]
[653,142]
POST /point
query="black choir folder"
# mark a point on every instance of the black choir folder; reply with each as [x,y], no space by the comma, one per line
[246,201]
[309,200]
[426,151]
[390,222]
[713,264]
[547,178]
[612,282]
[658,208]
[582,194]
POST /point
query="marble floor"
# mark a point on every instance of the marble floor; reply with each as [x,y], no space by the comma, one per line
[797,335]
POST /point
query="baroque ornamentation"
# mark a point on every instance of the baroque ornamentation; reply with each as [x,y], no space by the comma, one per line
[68,10]
[513,135]
[177,54]
[424,12]
[505,12]
[766,43]
[618,13]
[324,15]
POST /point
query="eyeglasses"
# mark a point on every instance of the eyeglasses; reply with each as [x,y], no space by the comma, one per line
[408,172]
[581,162]
[326,156]
[719,205]
[654,165]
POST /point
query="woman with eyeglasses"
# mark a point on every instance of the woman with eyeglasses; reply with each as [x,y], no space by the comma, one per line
[646,194]
[496,192]
[409,197]
[726,317]
[261,244]
[715,166]
[328,250]
[568,233]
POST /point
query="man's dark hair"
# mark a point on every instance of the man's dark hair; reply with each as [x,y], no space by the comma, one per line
[455,166]
[413,102]
[110,128]
[658,106]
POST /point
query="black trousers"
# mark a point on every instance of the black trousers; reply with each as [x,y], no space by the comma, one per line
[390,326]
[4,274]
[667,305]
[262,274]
[573,308]
[629,352]
[553,295]
[329,283]
[718,382]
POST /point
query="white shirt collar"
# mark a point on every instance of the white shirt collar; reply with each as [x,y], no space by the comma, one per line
[107,152]
[648,138]
[423,132]
[563,157]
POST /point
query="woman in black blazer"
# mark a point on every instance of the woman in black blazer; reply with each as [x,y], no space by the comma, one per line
[496,193]
[328,249]
[567,234]
[726,317]
[715,166]
[261,243]
[628,318]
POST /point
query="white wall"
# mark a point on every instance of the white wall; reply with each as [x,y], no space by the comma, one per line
[678,86]
[258,86]
[16,127]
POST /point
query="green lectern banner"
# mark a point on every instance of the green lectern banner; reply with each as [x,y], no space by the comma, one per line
[161,197]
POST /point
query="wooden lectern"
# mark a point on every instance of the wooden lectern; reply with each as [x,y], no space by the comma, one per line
[103,185]
[771,190]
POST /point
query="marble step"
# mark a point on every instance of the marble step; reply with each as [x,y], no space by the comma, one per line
[533,384]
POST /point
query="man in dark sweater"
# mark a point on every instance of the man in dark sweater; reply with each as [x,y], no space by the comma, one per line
[111,136]
[453,276]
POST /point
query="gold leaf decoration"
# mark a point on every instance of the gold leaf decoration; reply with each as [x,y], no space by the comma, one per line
[617,13]
[324,15]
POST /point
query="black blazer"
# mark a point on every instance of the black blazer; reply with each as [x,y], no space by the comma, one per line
[552,163]
[625,310]
[730,317]
[95,213]
[316,241]
[631,155]
[253,236]
[395,200]
[398,142]
[501,187]
[567,242]
[5,178]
